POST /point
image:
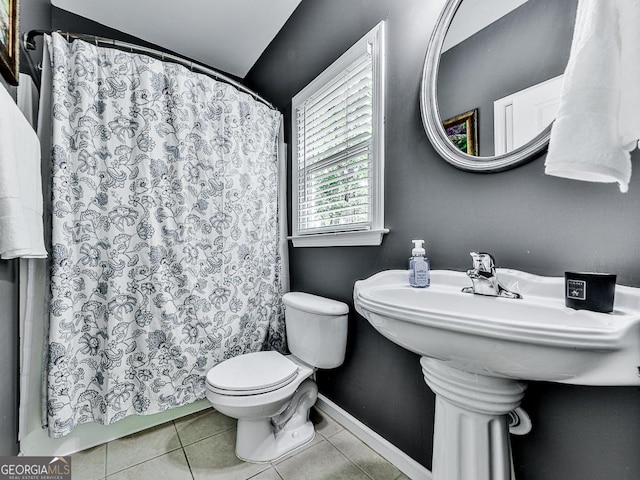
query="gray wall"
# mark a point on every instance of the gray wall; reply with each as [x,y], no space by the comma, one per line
[34,15]
[528,220]
[9,357]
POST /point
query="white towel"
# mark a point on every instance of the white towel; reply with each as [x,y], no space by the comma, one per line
[598,121]
[21,232]
[28,99]
[33,271]
[33,297]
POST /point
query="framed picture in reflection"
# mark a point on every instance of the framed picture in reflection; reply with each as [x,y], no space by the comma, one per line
[462,131]
[9,40]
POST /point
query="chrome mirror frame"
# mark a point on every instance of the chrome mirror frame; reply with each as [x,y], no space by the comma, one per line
[431,114]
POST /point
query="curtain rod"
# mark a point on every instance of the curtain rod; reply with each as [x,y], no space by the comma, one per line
[28,42]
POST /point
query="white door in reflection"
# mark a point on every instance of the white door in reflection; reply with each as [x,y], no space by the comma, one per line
[521,116]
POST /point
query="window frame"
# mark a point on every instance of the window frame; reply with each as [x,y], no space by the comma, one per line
[346,235]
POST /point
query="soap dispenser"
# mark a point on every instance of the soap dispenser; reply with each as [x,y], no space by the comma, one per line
[419,274]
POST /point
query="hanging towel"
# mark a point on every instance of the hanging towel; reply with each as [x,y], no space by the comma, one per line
[33,272]
[21,232]
[28,99]
[598,121]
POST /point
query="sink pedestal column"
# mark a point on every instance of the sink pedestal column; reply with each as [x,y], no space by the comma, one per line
[471,433]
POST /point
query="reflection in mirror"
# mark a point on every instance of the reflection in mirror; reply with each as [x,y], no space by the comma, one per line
[462,131]
[503,59]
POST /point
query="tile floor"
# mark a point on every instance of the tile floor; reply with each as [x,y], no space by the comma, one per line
[201,447]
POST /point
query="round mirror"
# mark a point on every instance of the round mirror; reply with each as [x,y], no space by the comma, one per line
[492,77]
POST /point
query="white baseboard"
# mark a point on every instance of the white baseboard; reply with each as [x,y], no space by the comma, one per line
[384,448]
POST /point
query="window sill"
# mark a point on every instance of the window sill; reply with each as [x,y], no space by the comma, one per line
[340,239]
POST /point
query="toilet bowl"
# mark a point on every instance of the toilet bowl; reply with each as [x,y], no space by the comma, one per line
[269,393]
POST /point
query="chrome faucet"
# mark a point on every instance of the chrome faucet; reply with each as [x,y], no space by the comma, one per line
[484,278]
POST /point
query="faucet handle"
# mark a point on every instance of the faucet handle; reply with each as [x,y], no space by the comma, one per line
[483,262]
[483,275]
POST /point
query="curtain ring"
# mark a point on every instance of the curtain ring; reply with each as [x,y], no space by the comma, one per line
[191,66]
[95,40]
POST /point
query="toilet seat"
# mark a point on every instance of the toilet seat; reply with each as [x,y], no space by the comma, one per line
[252,374]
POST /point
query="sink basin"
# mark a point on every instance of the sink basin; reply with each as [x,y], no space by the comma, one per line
[479,351]
[533,338]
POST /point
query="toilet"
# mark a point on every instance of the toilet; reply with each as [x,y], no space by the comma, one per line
[269,393]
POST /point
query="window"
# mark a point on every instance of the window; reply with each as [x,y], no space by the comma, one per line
[338,150]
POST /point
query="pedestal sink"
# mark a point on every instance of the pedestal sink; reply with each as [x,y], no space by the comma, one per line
[478,352]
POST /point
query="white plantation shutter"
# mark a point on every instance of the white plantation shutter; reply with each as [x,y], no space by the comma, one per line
[338,145]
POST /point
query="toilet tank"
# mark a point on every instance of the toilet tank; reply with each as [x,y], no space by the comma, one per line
[316,329]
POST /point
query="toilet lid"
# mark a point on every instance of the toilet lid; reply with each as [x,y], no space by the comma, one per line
[252,373]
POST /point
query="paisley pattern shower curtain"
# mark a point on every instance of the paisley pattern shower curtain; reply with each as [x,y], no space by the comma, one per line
[164,233]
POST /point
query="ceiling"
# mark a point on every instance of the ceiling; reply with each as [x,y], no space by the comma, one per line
[229,35]
[474,15]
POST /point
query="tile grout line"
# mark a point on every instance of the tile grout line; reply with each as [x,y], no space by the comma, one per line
[154,458]
[351,461]
[302,449]
[146,460]
[188,464]
[327,438]
[260,473]
[178,433]
[184,445]
[186,458]
[106,459]
[400,474]
[287,457]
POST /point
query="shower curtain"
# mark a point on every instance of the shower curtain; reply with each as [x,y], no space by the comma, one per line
[167,250]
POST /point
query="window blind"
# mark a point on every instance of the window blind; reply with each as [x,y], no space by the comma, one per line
[335,145]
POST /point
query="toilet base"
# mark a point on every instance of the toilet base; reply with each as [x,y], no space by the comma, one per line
[262,440]
[258,443]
